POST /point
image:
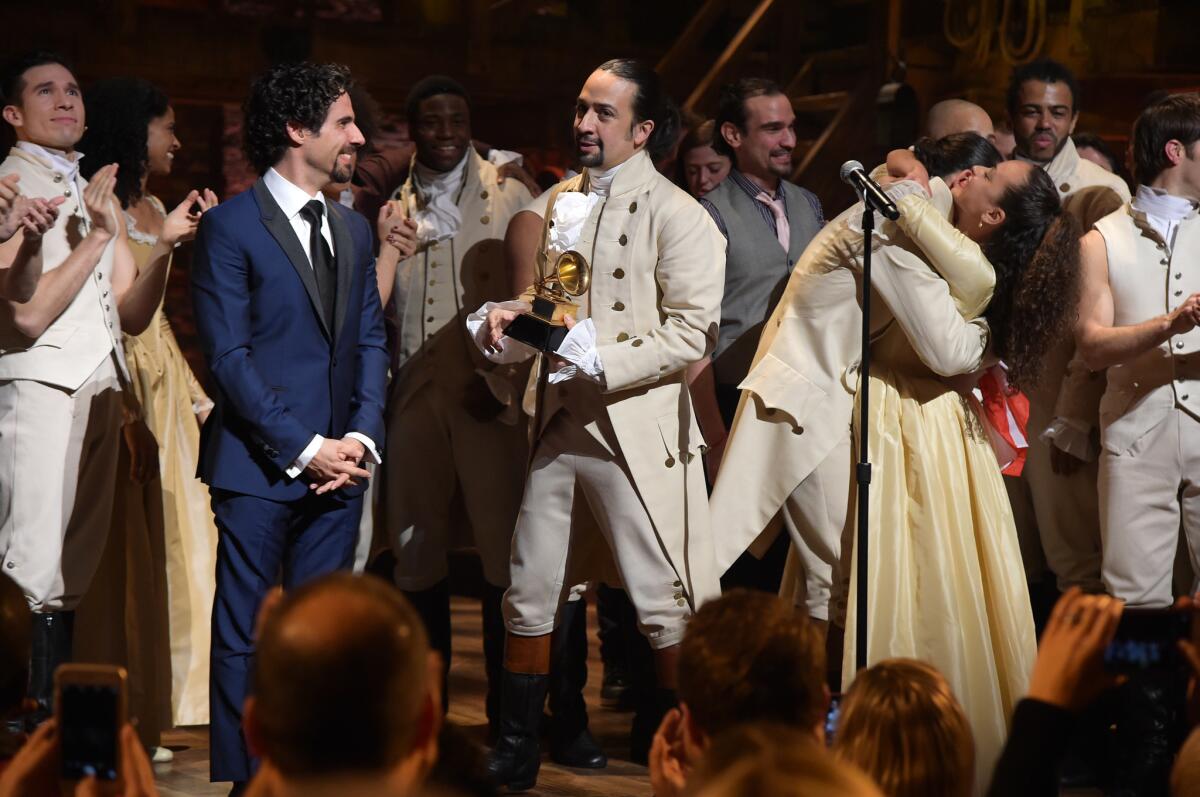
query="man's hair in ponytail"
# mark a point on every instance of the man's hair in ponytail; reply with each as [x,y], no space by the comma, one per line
[1036,256]
[650,103]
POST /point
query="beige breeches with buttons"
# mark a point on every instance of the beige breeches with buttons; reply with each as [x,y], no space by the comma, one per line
[58,460]
[569,464]
[1147,495]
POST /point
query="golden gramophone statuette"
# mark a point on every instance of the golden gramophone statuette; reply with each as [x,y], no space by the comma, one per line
[543,327]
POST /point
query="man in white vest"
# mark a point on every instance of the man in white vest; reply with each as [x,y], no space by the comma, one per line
[61,362]
[1138,315]
[616,434]
[1059,479]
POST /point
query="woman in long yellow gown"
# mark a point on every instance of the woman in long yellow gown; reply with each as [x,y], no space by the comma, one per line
[946,583]
[151,603]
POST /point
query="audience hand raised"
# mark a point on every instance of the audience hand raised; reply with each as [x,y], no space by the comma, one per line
[33,771]
[1069,670]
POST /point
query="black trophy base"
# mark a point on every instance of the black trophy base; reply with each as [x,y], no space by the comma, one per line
[533,331]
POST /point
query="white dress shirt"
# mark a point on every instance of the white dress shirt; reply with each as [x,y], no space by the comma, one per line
[291,199]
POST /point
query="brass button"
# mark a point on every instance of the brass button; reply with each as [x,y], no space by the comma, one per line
[798,430]
[622,337]
[637,341]
[433,282]
[1179,276]
[429,301]
[1164,261]
[619,273]
[484,219]
[433,265]
[680,602]
[483,194]
[677,583]
[624,239]
[58,178]
[1065,187]
[619,306]
[670,463]
[678,595]
[67,192]
[1179,293]
[633,207]
[1179,344]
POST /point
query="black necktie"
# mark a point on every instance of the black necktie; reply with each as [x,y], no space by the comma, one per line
[322,259]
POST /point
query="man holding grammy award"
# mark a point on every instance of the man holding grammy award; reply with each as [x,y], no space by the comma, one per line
[615,434]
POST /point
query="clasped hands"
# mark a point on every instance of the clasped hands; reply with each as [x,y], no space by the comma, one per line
[20,213]
[337,463]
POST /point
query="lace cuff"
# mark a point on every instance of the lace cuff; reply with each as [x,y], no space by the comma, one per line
[507,350]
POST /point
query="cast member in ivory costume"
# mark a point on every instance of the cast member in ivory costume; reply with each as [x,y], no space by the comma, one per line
[613,420]
[456,435]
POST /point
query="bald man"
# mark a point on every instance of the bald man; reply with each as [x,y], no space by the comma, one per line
[958,116]
[347,693]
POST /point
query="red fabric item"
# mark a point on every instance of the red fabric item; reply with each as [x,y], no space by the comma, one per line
[1007,412]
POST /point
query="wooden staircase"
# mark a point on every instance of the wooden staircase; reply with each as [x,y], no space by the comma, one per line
[834,91]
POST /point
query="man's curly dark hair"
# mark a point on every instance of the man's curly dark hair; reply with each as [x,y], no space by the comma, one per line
[119,112]
[1036,256]
[301,93]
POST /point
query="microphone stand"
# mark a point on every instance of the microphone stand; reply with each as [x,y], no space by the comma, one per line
[862,469]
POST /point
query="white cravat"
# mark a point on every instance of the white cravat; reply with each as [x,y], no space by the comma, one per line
[65,163]
[291,199]
[1163,211]
[440,218]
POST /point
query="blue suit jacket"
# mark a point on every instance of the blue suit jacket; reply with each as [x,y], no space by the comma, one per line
[283,373]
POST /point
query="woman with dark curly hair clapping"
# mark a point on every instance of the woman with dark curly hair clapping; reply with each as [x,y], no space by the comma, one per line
[150,602]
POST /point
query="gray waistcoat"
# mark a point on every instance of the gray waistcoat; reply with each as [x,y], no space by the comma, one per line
[756,271]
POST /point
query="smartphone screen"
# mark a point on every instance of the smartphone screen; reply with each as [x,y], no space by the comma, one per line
[1147,639]
[88,731]
[831,718]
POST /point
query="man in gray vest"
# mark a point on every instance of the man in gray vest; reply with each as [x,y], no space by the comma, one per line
[1138,316]
[767,223]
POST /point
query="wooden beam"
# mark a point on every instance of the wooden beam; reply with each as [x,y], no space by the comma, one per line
[732,51]
[687,41]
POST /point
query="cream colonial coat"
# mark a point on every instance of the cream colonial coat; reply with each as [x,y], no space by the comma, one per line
[658,265]
[798,398]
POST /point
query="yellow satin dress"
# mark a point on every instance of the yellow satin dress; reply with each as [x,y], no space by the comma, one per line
[162,548]
[946,580]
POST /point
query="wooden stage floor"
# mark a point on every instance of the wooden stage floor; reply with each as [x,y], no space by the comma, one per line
[188,773]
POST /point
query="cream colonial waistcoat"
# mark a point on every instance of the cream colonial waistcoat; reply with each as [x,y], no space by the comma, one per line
[88,330]
[1149,278]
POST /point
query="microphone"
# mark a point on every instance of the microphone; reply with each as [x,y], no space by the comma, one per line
[854,175]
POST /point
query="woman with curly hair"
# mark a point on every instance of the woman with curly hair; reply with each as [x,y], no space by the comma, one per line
[155,584]
[945,577]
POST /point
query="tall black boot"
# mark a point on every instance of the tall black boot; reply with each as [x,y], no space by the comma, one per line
[571,743]
[515,759]
[52,633]
[614,613]
[647,717]
[493,653]
[1150,730]
[433,605]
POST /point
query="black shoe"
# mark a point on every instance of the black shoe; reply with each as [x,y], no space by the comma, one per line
[516,758]
[646,719]
[51,646]
[614,690]
[571,744]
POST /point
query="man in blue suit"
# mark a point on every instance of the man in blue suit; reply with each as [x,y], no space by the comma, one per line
[289,316]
